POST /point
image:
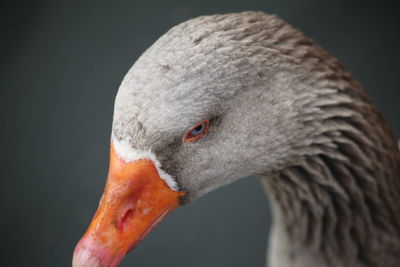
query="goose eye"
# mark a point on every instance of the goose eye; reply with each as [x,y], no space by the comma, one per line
[196,132]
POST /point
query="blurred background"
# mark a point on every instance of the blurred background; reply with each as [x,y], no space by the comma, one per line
[61,65]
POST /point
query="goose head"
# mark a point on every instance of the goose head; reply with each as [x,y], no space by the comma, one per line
[211,70]
[215,99]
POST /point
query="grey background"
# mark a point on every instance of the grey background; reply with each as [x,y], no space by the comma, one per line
[61,65]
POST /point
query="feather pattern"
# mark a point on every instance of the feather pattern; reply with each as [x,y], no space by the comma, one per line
[339,205]
[325,155]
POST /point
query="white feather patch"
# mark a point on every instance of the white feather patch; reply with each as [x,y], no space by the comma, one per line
[128,154]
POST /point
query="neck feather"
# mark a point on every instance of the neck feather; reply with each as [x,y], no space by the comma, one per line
[335,214]
[339,203]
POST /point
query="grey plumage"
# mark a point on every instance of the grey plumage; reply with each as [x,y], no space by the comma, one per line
[280,108]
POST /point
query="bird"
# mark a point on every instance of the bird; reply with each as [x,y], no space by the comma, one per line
[222,97]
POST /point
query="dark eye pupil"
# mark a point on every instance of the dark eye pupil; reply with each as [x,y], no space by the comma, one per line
[198,129]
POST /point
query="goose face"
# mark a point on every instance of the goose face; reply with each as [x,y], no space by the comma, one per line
[154,116]
[179,82]
[188,76]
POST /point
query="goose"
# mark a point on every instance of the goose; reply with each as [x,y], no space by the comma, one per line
[222,97]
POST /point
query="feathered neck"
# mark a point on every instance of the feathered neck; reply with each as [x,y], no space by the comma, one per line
[339,203]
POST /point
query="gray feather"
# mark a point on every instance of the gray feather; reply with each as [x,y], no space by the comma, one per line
[281,108]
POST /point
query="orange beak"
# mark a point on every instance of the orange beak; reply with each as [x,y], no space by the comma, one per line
[134,201]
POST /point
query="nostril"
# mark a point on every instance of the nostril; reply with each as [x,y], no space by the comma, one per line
[125,219]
